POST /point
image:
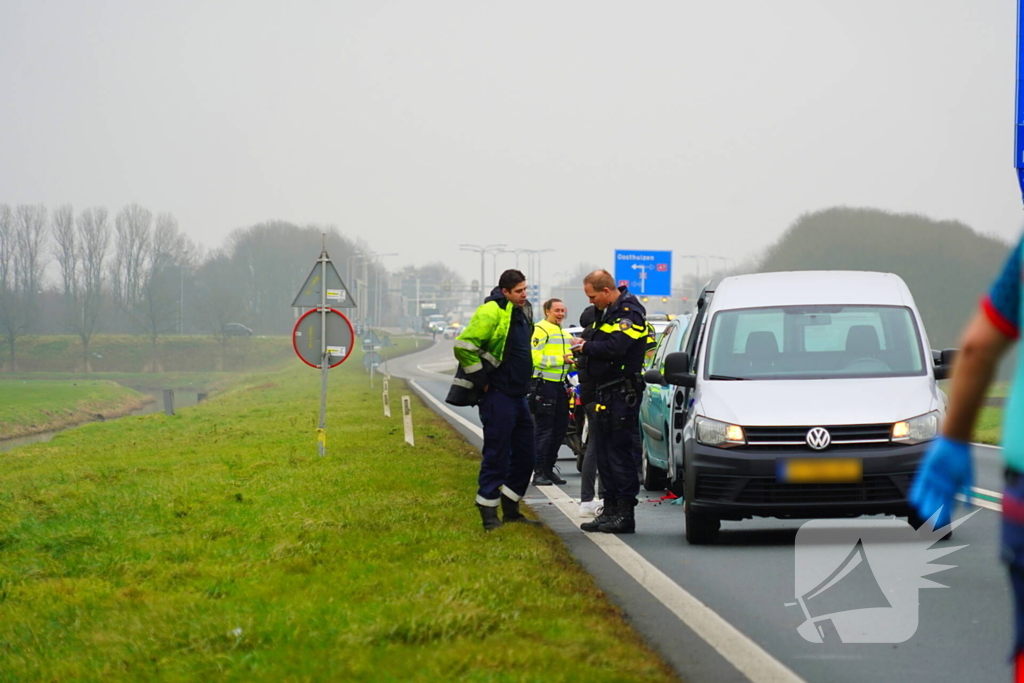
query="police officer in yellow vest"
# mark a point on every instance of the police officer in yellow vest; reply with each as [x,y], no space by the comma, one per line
[552,360]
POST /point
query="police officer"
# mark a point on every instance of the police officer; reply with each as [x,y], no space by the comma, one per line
[552,360]
[615,357]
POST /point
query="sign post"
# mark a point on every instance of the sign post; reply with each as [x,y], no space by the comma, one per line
[323,337]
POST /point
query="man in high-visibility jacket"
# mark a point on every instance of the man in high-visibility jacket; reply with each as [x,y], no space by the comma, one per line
[493,351]
[552,360]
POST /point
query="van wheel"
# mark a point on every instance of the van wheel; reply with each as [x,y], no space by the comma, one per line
[653,478]
[700,529]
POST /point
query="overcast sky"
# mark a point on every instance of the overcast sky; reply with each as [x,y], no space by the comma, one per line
[697,126]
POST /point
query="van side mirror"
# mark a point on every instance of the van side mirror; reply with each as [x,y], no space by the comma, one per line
[677,370]
[944,365]
[654,377]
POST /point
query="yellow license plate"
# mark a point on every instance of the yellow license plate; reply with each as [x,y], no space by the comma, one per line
[819,470]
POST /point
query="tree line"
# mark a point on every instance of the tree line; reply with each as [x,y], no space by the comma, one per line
[136,272]
[947,265]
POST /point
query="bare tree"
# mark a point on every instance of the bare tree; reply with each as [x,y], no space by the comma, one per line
[23,233]
[133,225]
[150,268]
[80,250]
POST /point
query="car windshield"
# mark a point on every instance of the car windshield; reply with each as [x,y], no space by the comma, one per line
[814,342]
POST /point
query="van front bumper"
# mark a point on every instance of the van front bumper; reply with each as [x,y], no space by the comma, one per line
[736,484]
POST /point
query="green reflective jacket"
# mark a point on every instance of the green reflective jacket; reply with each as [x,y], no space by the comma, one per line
[483,339]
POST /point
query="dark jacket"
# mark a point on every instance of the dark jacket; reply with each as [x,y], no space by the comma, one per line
[588,390]
[620,341]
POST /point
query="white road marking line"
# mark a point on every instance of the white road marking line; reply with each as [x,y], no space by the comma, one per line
[979,502]
[748,657]
[986,492]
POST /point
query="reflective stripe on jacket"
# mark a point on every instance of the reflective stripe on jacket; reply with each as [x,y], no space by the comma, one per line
[483,339]
[550,345]
[620,341]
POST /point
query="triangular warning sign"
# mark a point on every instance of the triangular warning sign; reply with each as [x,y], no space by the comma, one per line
[337,293]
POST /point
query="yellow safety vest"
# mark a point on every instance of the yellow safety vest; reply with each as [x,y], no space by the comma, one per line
[550,344]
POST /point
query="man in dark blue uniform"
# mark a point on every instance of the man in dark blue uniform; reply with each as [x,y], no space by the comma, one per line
[615,357]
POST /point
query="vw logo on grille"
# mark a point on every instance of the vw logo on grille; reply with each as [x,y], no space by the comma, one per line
[818,438]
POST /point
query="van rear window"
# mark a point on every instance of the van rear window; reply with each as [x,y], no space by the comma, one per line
[814,342]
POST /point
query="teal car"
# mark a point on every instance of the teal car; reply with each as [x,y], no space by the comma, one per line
[655,410]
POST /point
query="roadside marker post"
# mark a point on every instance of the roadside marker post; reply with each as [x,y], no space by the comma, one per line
[407,420]
[387,401]
[323,337]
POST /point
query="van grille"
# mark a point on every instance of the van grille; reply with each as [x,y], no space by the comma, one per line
[854,437]
[766,491]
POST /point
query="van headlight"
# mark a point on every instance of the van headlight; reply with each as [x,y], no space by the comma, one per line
[916,429]
[721,434]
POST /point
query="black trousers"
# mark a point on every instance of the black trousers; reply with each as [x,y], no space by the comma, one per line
[551,414]
[614,431]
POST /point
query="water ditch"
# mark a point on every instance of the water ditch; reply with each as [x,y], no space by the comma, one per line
[182,399]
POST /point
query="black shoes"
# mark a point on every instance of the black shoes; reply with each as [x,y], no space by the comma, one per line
[541,479]
[617,518]
[510,511]
[603,518]
[547,478]
[489,516]
[622,520]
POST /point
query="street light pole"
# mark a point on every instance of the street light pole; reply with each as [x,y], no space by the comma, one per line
[696,261]
[483,251]
[380,267]
[355,259]
[537,253]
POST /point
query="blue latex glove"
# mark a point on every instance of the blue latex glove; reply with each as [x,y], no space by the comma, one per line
[946,469]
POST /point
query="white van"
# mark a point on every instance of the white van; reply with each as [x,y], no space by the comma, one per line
[800,394]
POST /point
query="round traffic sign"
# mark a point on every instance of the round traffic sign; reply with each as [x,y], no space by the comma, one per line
[307,335]
[371,359]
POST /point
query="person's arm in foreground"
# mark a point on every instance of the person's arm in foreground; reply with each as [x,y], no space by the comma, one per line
[947,466]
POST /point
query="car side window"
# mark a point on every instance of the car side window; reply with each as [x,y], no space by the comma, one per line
[663,346]
[694,333]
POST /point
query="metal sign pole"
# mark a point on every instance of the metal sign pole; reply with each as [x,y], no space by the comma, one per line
[321,434]
[336,336]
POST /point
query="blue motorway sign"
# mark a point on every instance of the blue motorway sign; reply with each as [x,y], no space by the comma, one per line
[647,273]
[1018,138]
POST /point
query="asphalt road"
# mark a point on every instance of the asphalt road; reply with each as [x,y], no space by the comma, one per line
[729,612]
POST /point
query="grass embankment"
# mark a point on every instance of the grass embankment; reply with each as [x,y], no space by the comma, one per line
[134,354]
[59,397]
[30,407]
[989,427]
[215,544]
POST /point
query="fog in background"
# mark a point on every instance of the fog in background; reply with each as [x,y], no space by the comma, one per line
[702,127]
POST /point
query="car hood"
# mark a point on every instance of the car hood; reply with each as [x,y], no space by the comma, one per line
[820,401]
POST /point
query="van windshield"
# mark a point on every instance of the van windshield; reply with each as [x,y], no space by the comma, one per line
[814,342]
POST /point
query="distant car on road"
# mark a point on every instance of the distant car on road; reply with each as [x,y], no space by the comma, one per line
[452,331]
[237,330]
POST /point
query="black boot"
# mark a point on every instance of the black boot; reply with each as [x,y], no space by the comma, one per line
[510,511]
[623,521]
[603,518]
[489,515]
[541,479]
[554,477]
